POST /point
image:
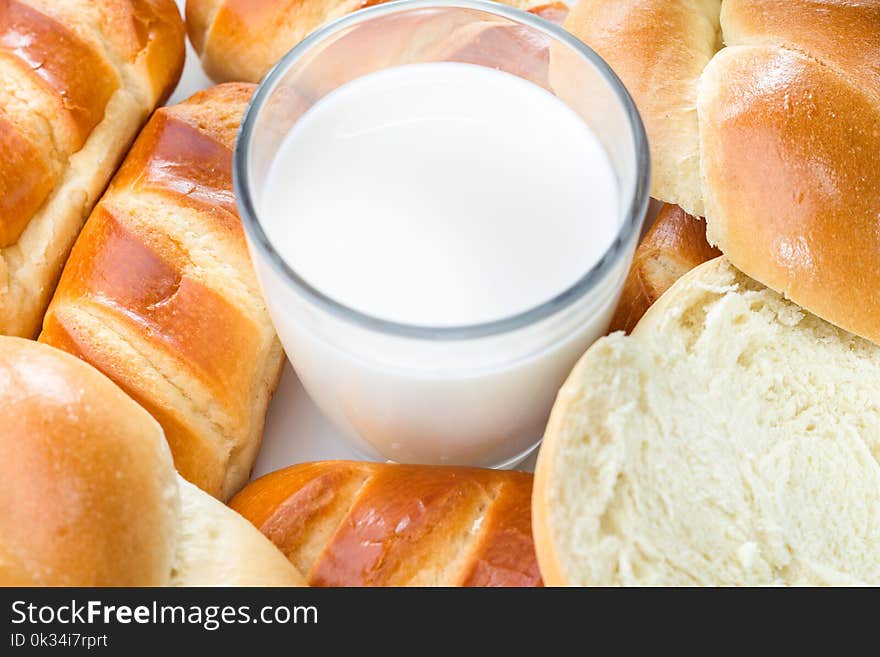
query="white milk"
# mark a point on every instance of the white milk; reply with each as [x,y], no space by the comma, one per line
[440,195]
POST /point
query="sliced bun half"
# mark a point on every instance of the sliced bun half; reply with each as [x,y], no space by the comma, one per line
[731,440]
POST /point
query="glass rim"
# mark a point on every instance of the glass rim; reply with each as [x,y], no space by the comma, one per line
[635,212]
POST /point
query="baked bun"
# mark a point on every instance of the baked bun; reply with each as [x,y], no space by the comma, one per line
[773,139]
[90,496]
[789,134]
[89,493]
[659,49]
[243,39]
[79,79]
[731,440]
[159,292]
[381,524]
[675,244]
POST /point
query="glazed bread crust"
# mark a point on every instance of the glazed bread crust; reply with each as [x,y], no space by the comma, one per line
[789,114]
[79,79]
[90,496]
[159,293]
[773,139]
[344,523]
[242,39]
[659,49]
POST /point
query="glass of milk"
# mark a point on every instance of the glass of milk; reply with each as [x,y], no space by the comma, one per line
[441,200]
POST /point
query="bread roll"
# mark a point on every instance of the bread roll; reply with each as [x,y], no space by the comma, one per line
[731,440]
[242,39]
[790,141]
[675,244]
[160,295]
[369,524]
[774,140]
[90,496]
[79,79]
[659,49]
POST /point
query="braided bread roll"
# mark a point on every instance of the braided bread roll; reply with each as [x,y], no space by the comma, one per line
[79,79]
[242,39]
[379,524]
[160,295]
[90,496]
[774,138]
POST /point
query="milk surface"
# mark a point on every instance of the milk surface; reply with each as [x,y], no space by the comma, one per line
[440,194]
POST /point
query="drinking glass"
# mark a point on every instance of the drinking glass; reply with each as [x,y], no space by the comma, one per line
[478,394]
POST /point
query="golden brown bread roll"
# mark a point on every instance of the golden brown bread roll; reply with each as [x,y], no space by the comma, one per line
[90,496]
[790,141]
[242,39]
[783,124]
[160,295]
[674,245]
[659,49]
[372,524]
[79,79]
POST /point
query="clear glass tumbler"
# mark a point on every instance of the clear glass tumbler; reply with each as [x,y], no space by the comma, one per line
[474,395]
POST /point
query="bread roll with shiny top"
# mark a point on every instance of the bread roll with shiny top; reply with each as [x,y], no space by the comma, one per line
[675,244]
[79,79]
[160,295]
[782,125]
[243,39]
[841,34]
[731,440]
[344,523]
[659,49]
[789,116]
[90,496]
